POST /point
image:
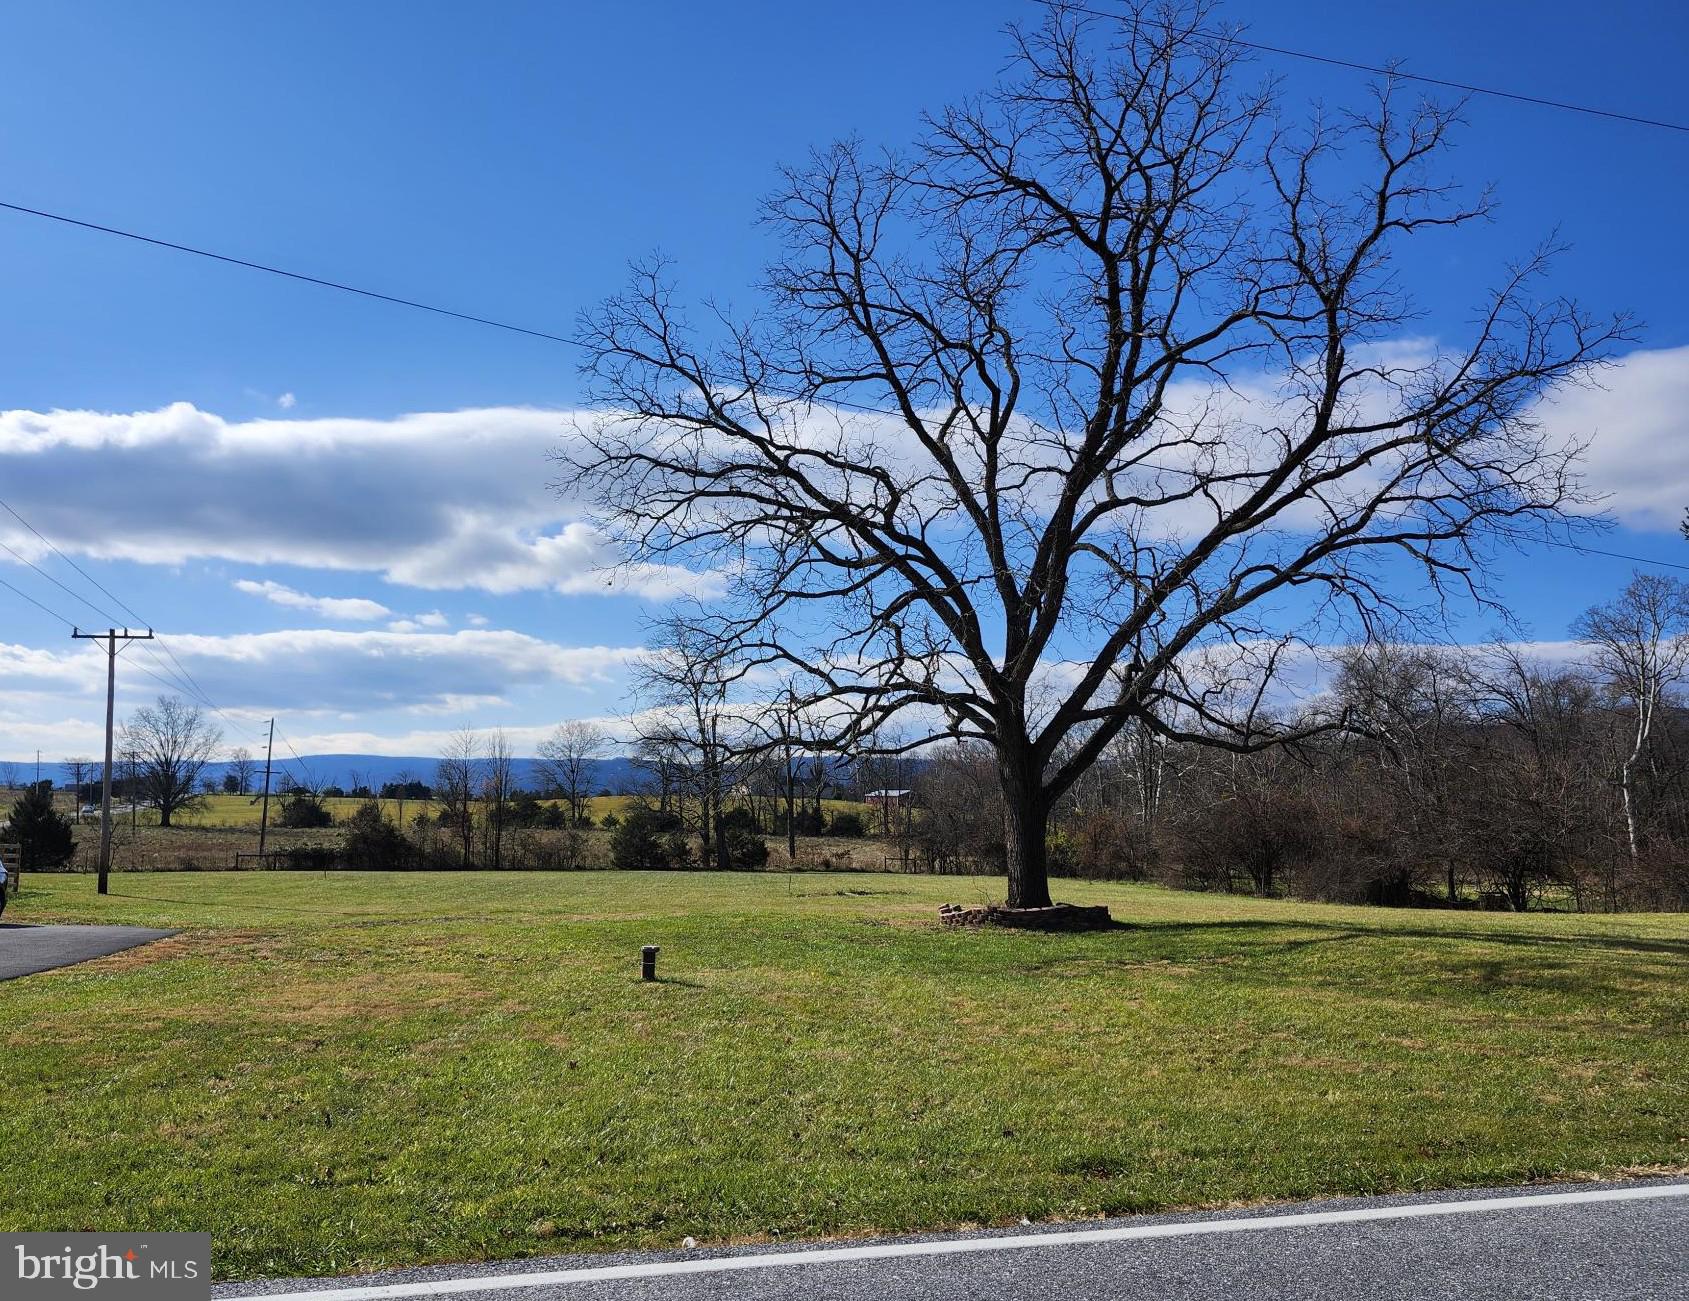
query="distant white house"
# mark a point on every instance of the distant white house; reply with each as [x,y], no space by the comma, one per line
[887,799]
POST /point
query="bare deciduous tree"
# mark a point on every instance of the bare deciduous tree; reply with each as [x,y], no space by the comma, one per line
[1639,645]
[400,786]
[80,770]
[457,781]
[242,766]
[1527,819]
[498,784]
[1141,399]
[1414,701]
[566,761]
[171,742]
[682,687]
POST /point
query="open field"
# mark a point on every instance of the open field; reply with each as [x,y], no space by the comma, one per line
[244,811]
[356,1070]
[213,849]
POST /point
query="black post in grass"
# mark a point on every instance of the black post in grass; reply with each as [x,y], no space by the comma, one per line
[648,962]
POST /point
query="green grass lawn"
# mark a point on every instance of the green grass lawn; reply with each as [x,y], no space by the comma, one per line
[346,1071]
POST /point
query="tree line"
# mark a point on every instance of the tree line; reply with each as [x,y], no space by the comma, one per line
[1428,775]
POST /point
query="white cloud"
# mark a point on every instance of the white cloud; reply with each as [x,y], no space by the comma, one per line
[1636,423]
[329,607]
[286,401]
[366,676]
[445,500]
[417,623]
[321,669]
[464,500]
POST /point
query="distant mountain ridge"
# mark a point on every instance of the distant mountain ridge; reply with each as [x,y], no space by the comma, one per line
[616,775]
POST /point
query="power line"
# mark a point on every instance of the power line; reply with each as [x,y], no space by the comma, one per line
[1615,555]
[163,681]
[1468,88]
[78,568]
[418,305]
[1283,51]
[292,751]
[303,770]
[37,604]
[281,271]
[185,676]
[25,560]
[204,694]
[178,679]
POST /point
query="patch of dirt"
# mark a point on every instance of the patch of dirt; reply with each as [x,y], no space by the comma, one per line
[142,955]
[367,994]
[1057,917]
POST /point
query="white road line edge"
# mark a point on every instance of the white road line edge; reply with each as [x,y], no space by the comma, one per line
[958,1246]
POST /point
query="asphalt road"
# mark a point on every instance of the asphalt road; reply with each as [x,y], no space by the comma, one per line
[1581,1242]
[25,950]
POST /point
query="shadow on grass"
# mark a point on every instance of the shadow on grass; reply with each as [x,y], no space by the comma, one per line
[1582,964]
[1222,946]
[1512,938]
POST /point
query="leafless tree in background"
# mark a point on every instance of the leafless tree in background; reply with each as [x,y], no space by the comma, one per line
[457,781]
[402,781]
[1414,701]
[80,770]
[1639,645]
[683,689]
[171,742]
[498,784]
[566,762]
[241,768]
[1137,350]
[659,759]
[1529,814]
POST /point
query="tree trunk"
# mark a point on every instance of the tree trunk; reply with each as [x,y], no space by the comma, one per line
[1629,802]
[791,814]
[1025,816]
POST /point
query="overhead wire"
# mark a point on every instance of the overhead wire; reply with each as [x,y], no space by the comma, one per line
[69,623]
[192,685]
[1400,74]
[178,678]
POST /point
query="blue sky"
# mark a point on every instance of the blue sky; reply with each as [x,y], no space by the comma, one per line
[226,451]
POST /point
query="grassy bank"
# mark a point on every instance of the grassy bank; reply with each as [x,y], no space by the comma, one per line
[358,1070]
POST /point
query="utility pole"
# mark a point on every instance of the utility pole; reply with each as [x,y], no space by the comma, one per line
[264,817]
[110,635]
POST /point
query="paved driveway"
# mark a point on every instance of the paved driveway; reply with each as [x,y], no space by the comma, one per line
[24,949]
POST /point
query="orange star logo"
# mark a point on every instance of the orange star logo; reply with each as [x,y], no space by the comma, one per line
[130,1254]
